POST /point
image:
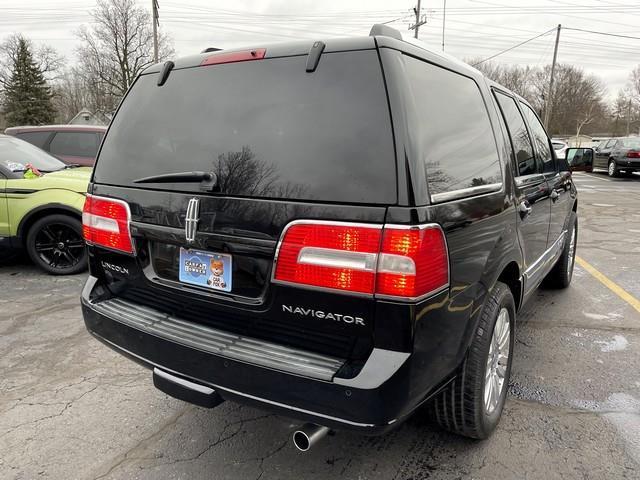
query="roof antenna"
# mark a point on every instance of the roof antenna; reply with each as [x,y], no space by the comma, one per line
[164,74]
[314,55]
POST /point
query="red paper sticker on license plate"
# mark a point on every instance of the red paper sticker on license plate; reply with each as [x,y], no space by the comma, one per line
[205,269]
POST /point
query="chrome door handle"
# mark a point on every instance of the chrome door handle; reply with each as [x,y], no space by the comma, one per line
[524,209]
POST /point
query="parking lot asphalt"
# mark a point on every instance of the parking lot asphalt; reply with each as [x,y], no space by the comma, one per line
[71,408]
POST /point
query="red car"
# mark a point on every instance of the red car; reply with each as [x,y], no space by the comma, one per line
[76,144]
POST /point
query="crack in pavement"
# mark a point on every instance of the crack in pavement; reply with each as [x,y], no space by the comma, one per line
[48,309]
[47,417]
[124,457]
[267,456]
[56,390]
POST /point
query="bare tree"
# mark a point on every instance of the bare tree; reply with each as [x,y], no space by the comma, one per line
[514,77]
[577,100]
[118,46]
[76,89]
[585,117]
[71,94]
[634,81]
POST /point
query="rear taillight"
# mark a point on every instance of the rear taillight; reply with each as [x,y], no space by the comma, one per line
[329,255]
[390,261]
[105,222]
[413,261]
[633,154]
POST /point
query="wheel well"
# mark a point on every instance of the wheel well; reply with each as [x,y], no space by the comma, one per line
[510,276]
[36,215]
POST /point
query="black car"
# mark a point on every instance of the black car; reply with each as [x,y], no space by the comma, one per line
[340,232]
[618,155]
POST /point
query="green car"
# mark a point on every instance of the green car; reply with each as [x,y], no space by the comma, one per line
[41,202]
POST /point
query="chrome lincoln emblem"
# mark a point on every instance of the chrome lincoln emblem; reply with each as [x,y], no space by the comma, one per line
[191,219]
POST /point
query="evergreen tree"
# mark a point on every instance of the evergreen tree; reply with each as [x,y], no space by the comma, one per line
[27,97]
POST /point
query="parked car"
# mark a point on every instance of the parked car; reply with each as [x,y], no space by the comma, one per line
[619,155]
[41,202]
[560,147]
[73,144]
[343,233]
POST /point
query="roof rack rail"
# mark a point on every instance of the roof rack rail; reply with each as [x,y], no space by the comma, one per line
[210,49]
[385,30]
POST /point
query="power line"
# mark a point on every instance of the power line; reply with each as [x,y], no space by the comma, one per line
[602,33]
[514,47]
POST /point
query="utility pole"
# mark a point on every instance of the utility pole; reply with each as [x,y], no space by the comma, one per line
[628,116]
[156,23]
[547,110]
[420,20]
[444,18]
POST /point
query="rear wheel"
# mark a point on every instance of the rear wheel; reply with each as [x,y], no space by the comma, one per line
[472,404]
[613,169]
[55,244]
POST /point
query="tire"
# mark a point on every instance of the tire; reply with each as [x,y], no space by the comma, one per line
[461,407]
[612,169]
[55,244]
[562,272]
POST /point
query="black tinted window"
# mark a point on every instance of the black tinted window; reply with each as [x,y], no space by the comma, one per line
[76,144]
[540,138]
[525,159]
[455,137]
[267,128]
[34,138]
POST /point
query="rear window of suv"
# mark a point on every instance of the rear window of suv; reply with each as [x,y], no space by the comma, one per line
[267,128]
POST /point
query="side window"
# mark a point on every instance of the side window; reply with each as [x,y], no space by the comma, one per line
[34,138]
[454,134]
[610,143]
[520,139]
[76,144]
[540,138]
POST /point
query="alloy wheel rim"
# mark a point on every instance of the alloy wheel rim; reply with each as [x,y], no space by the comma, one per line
[59,246]
[612,168]
[497,362]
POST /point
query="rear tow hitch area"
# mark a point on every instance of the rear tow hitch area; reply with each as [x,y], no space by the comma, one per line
[186,390]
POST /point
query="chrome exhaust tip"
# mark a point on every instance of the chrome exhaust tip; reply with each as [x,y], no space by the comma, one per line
[308,435]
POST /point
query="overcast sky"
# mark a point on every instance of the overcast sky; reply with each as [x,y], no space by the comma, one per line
[474,28]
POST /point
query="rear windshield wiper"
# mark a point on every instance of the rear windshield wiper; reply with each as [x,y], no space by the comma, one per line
[208,180]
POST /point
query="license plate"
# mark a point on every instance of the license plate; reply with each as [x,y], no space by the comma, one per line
[205,269]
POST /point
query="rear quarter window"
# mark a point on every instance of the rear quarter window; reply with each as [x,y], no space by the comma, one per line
[455,139]
[75,144]
[267,128]
[39,139]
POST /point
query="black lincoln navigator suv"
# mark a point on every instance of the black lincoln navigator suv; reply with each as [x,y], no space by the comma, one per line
[338,231]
